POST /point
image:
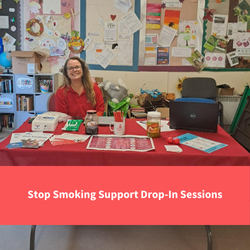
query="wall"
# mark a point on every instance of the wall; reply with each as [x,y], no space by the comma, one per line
[167,81]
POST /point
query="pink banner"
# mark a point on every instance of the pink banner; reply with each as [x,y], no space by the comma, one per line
[124,195]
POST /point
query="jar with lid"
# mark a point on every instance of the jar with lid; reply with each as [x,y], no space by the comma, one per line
[153,124]
[91,122]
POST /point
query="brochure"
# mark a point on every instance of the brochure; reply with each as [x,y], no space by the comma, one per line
[200,143]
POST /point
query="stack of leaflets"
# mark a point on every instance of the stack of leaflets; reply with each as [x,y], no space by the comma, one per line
[28,140]
[67,138]
[173,148]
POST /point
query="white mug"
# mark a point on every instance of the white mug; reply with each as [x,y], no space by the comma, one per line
[119,127]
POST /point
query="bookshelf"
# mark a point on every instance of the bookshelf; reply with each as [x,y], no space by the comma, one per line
[7,103]
[26,97]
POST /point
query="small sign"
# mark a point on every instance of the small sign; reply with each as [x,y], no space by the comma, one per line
[24,83]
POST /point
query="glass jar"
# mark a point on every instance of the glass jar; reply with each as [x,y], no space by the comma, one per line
[91,122]
[153,124]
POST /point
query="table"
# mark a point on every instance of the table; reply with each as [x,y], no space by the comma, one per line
[77,154]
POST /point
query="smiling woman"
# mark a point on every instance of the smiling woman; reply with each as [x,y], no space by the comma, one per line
[78,93]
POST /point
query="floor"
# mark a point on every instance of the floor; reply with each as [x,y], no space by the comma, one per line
[125,237]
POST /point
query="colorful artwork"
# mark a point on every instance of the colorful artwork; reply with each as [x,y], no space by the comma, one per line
[172,18]
[162,55]
[187,34]
[153,18]
[0,4]
[30,26]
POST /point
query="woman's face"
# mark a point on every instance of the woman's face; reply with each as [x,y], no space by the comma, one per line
[74,70]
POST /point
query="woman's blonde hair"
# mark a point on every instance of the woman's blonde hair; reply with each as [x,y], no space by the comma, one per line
[86,80]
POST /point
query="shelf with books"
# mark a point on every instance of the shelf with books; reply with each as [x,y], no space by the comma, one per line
[29,97]
[7,102]
[7,121]
[24,102]
[21,96]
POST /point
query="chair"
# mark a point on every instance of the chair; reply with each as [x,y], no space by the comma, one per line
[208,233]
[201,89]
[52,103]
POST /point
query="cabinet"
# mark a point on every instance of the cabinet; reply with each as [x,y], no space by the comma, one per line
[28,96]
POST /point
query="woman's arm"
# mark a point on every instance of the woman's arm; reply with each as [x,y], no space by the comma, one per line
[99,100]
[60,101]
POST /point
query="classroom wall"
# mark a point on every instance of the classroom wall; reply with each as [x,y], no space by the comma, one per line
[167,81]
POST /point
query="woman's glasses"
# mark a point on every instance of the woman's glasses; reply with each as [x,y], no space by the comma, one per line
[72,68]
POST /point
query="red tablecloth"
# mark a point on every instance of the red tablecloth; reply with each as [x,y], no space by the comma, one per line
[77,154]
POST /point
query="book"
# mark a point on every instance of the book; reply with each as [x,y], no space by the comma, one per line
[25,104]
[21,103]
[29,103]
[17,102]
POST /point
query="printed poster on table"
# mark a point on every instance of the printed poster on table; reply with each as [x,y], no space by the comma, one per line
[121,143]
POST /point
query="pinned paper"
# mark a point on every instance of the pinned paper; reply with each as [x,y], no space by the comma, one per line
[233,58]
[12,9]
[215,60]
[167,35]
[48,18]
[153,20]
[172,18]
[61,44]
[171,3]
[87,42]
[132,22]
[123,5]
[46,43]
[187,34]
[101,22]
[110,32]
[48,31]
[106,57]
[34,7]
[51,7]
[56,51]
[4,22]
[8,42]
